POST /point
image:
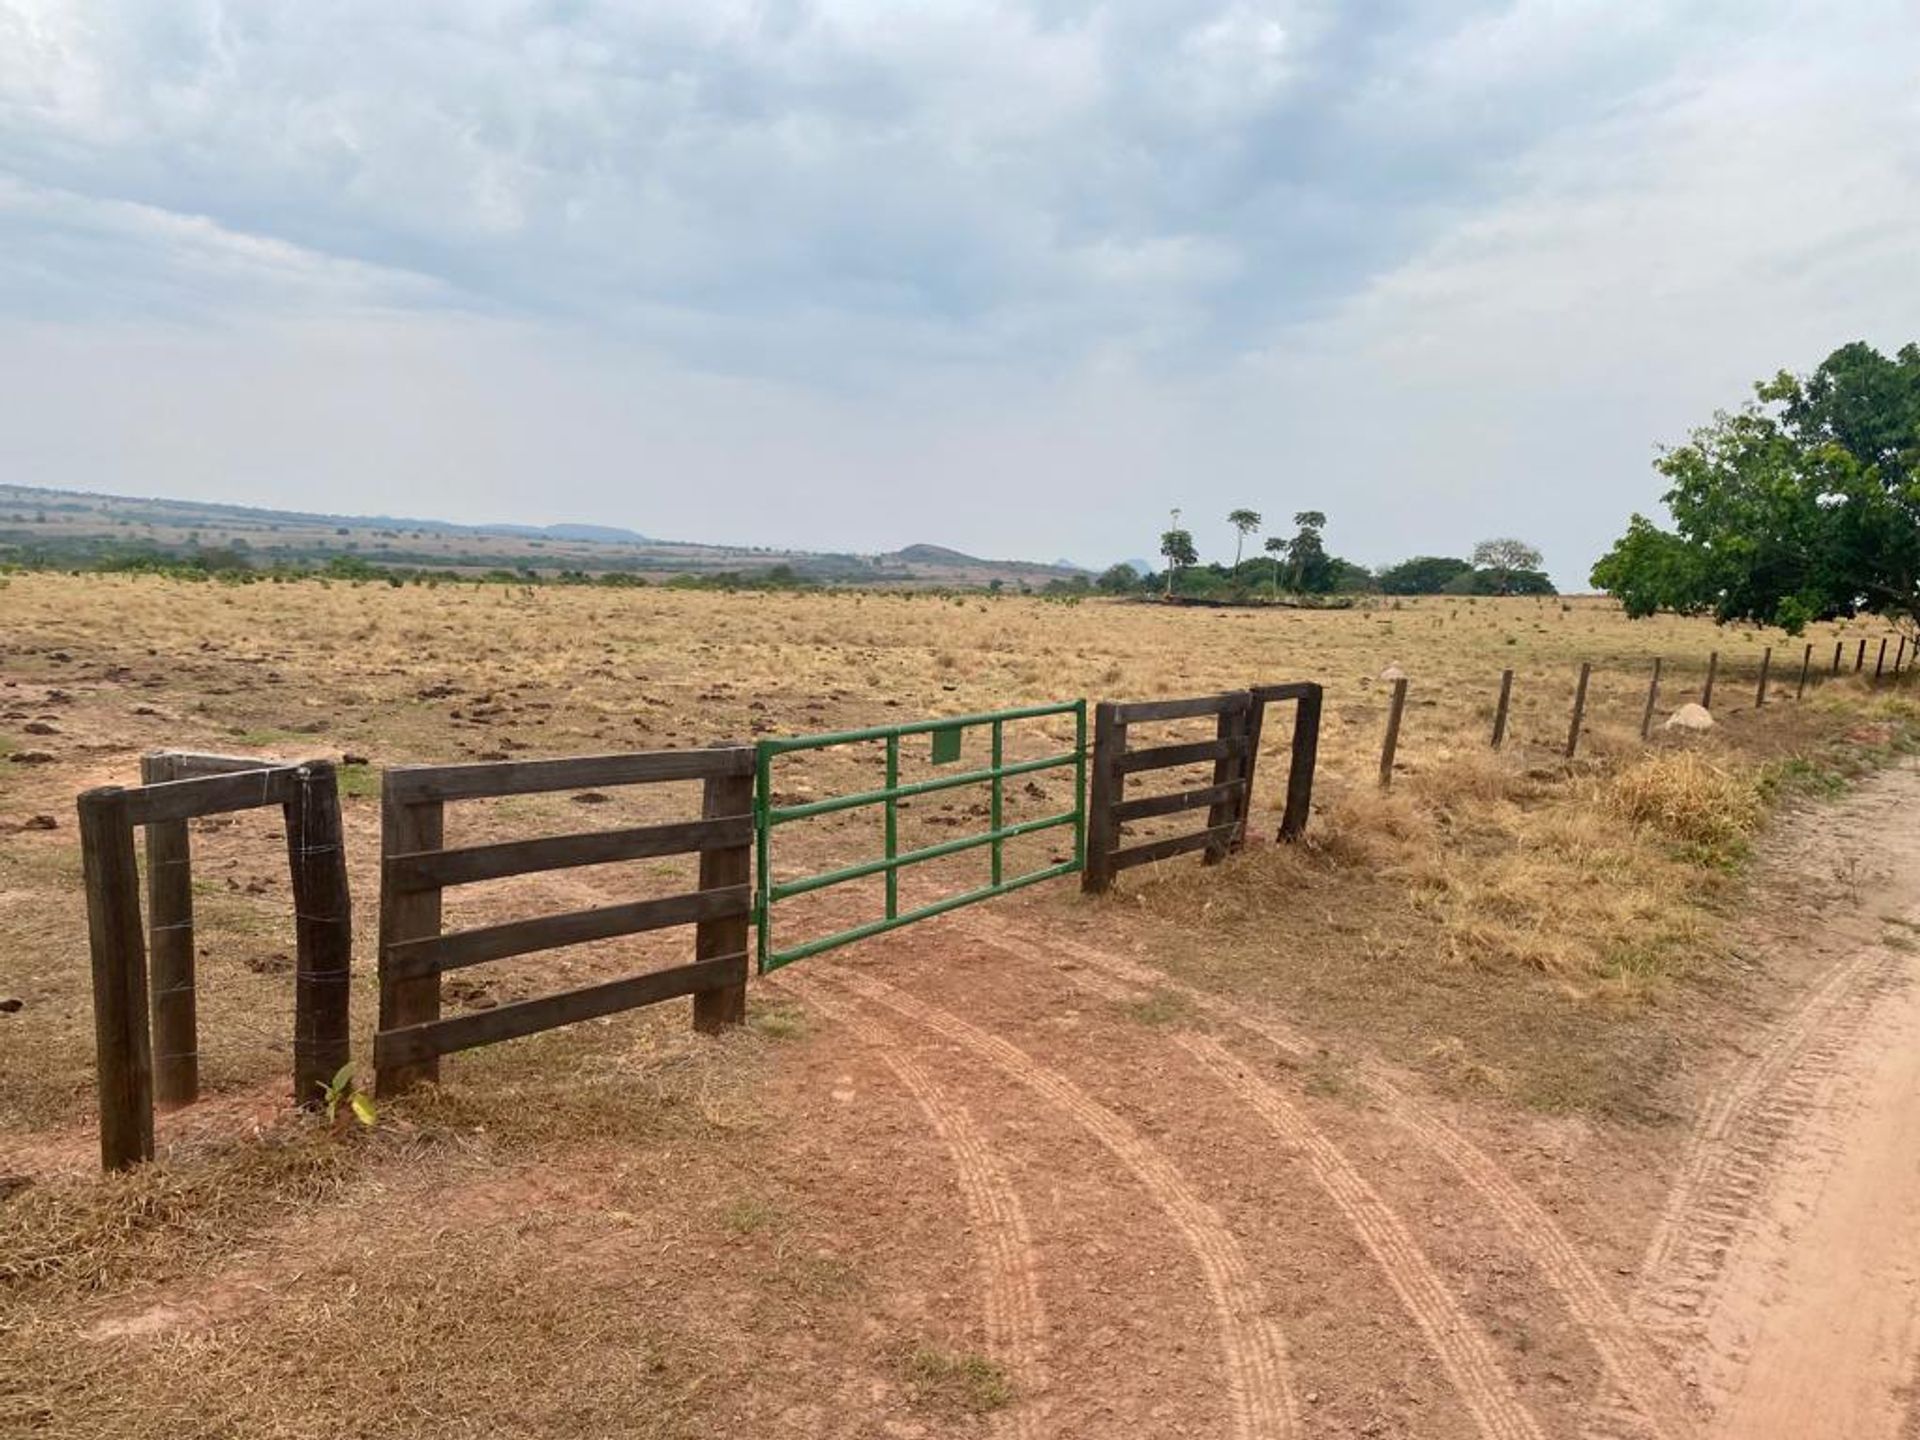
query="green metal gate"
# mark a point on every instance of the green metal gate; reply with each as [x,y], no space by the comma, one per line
[946,744]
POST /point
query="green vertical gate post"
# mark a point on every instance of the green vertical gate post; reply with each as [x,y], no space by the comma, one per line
[994,806]
[762,870]
[1080,784]
[893,826]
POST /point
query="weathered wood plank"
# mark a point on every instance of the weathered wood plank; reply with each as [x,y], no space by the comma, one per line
[433,869]
[123,1051]
[195,764]
[415,1046]
[1103,788]
[1172,845]
[1396,708]
[439,953]
[210,795]
[1139,712]
[176,1048]
[1302,763]
[407,1000]
[1158,757]
[323,930]
[727,800]
[1173,804]
[530,777]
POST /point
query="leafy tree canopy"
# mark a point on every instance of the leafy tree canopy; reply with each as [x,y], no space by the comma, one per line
[1804,505]
[1423,575]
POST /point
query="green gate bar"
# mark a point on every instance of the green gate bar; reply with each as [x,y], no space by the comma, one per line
[767,815]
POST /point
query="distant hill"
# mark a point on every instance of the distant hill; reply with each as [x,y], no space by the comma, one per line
[56,527]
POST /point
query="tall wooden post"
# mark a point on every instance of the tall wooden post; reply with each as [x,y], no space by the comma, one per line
[1880,660]
[1860,656]
[1706,690]
[716,1010]
[1232,725]
[176,1046]
[323,930]
[1838,646]
[1760,692]
[1393,732]
[1899,654]
[407,827]
[1500,709]
[1306,753]
[1653,699]
[1103,793]
[123,1049]
[1579,709]
[1806,662]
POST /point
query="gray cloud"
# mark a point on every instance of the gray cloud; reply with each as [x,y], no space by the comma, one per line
[1437,269]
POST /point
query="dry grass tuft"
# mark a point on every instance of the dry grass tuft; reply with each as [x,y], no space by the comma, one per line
[1687,798]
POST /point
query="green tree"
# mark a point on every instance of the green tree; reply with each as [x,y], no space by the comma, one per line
[1803,505]
[1503,557]
[1119,579]
[1177,546]
[1244,523]
[1423,575]
[1309,568]
[1276,546]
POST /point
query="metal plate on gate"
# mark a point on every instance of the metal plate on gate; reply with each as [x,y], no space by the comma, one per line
[946,746]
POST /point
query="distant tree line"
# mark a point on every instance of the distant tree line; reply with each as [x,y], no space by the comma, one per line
[1300,565]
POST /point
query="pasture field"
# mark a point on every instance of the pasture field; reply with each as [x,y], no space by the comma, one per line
[626,1229]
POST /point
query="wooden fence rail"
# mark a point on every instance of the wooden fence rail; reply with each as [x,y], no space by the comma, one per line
[1227,797]
[417,867]
[145,1020]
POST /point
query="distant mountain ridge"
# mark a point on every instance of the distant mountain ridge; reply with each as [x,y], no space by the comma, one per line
[50,525]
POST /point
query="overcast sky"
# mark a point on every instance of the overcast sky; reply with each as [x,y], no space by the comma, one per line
[1015,278]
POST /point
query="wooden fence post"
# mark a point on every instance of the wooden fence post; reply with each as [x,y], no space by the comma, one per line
[123,1048]
[1806,661]
[1306,753]
[1860,656]
[1109,738]
[1880,660]
[1232,725]
[1393,732]
[1898,655]
[1838,646]
[1766,664]
[1500,710]
[1579,709]
[323,929]
[406,828]
[176,1047]
[1706,690]
[1653,698]
[716,1010]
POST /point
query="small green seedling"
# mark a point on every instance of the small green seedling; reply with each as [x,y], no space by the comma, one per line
[341,1087]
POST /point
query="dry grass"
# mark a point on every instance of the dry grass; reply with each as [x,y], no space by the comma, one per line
[1512,924]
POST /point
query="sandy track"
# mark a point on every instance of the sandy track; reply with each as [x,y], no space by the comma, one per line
[1260,1397]
[1016,1323]
[1656,1403]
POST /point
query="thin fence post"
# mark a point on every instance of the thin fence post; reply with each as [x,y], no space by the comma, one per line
[1860,656]
[1838,647]
[176,1048]
[1653,699]
[1880,660]
[1760,691]
[1232,725]
[716,1010]
[323,929]
[1393,732]
[1806,661]
[1306,753]
[123,1061]
[1579,709]
[1500,710]
[1109,736]
[1706,690]
[1899,654]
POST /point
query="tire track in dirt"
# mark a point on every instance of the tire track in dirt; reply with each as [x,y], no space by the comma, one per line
[1464,1352]
[1726,1160]
[1645,1384]
[1259,1389]
[1015,1319]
